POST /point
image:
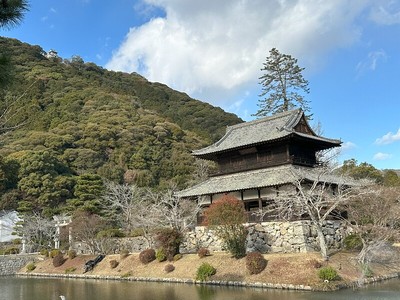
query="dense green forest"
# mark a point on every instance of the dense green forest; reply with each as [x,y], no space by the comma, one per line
[78,124]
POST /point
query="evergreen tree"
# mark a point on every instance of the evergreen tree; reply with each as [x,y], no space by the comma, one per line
[12,12]
[281,83]
[87,192]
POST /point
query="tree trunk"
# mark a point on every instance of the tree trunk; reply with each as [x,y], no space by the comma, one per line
[362,256]
[322,242]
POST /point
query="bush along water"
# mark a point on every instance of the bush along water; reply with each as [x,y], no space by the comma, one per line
[160,255]
[169,268]
[169,239]
[203,252]
[58,260]
[205,271]
[147,256]
[255,262]
[328,274]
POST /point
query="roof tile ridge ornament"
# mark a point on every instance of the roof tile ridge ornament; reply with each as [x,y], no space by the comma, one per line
[296,116]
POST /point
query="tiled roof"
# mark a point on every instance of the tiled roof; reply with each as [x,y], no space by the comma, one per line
[259,131]
[273,176]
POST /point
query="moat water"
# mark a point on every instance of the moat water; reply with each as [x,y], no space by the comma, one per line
[15,288]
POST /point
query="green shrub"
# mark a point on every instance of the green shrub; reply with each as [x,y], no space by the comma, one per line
[136,232]
[147,256]
[366,270]
[53,253]
[44,252]
[58,260]
[177,257]
[114,264]
[17,241]
[169,268]
[236,244]
[127,274]
[255,262]
[111,232]
[11,250]
[203,252]
[205,271]
[70,270]
[30,267]
[169,239]
[352,242]
[71,254]
[328,273]
[124,253]
[160,255]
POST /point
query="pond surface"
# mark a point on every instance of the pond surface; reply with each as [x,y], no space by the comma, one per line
[14,288]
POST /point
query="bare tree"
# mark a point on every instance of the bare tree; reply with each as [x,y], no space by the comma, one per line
[38,231]
[86,228]
[126,200]
[135,206]
[202,170]
[316,197]
[174,212]
[147,210]
[375,217]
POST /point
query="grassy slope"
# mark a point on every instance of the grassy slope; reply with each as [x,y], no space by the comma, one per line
[296,268]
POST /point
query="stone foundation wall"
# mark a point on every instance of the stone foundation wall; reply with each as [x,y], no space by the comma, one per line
[115,245]
[274,237]
[11,264]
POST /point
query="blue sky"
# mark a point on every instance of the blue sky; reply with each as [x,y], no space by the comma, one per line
[213,50]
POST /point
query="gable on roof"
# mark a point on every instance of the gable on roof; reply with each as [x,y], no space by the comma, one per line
[265,130]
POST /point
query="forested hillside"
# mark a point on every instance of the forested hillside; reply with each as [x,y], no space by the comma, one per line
[80,124]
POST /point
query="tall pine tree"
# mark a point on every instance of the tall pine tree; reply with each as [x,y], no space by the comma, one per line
[12,12]
[283,85]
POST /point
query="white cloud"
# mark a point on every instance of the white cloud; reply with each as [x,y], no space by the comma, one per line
[388,138]
[213,48]
[348,146]
[371,62]
[387,12]
[382,156]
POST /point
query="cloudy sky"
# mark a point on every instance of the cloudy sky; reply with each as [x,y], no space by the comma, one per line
[213,50]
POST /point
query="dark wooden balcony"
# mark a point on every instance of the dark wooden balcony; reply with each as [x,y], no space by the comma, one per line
[247,165]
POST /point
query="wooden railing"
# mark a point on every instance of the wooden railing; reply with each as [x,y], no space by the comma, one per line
[247,165]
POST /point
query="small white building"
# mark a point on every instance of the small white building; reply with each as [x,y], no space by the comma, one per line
[8,219]
[52,54]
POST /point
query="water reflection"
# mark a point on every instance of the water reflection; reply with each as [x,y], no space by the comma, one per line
[43,289]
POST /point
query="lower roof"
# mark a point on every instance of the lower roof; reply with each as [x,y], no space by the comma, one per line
[261,178]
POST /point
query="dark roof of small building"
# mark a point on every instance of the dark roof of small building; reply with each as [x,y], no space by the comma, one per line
[268,177]
[263,130]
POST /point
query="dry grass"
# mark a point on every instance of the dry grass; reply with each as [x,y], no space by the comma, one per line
[296,268]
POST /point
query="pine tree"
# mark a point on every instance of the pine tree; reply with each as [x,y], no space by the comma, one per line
[282,84]
[12,12]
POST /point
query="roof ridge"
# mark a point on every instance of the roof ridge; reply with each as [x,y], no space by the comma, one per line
[262,120]
[229,129]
